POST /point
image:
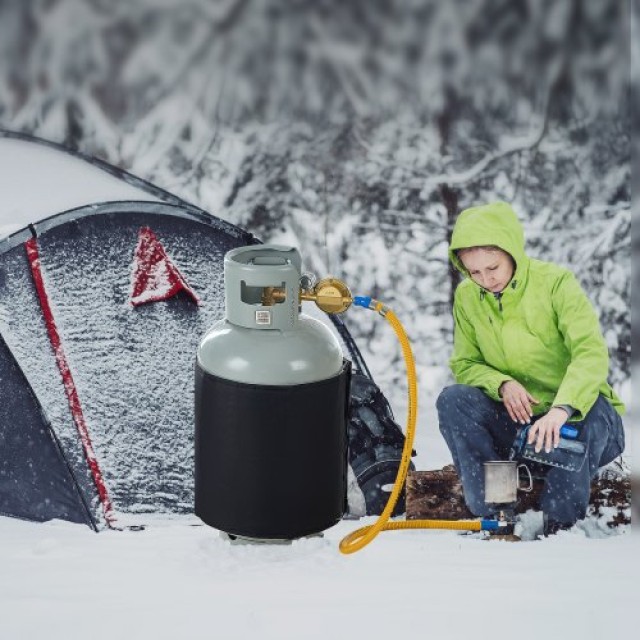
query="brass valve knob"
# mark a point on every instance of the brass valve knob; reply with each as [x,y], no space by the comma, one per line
[331,295]
[273,295]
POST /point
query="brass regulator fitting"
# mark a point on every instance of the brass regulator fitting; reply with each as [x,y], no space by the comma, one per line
[330,294]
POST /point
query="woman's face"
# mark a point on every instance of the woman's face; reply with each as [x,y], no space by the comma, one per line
[492,269]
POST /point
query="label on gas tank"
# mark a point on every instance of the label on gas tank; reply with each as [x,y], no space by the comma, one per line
[263,316]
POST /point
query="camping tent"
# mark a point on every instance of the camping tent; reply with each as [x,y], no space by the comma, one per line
[101,310]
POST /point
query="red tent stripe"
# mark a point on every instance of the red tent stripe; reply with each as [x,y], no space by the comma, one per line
[67,378]
[155,277]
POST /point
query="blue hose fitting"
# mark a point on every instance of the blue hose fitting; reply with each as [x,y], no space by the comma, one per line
[489,525]
[362,301]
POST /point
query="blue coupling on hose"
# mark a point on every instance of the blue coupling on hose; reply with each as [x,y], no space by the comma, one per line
[489,525]
[362,301]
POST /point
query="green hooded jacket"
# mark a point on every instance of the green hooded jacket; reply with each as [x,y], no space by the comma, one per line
[542,332]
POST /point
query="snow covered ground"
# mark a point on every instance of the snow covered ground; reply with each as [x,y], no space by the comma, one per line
[180,579]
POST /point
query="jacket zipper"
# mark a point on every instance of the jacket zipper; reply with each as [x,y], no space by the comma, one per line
[497,296]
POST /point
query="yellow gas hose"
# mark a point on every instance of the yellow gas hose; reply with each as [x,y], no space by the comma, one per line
[359,538]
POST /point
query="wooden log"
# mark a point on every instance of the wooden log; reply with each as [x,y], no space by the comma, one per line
[438,495]
[435,495]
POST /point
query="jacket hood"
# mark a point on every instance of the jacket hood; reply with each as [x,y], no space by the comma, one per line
[494,224]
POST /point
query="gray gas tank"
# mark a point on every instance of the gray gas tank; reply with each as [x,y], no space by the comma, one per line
[276,344]
[271,404]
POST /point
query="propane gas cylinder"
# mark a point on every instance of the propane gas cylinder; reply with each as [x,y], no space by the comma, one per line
[271,396]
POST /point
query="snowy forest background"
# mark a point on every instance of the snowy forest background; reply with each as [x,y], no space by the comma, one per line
[356,131]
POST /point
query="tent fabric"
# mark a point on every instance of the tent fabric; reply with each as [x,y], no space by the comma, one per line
[155,277]
[146,190]
[70,388]
[35,481]
[24,332]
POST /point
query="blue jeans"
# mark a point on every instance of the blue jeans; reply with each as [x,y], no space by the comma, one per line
[478,429]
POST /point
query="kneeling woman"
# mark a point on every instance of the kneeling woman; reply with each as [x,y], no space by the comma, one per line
[527,348]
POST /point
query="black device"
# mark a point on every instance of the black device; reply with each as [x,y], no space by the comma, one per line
[570,453]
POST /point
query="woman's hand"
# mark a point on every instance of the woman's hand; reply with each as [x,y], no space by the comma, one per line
[517,401]
[546,430]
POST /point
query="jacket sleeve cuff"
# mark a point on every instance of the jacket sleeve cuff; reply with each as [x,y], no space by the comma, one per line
[578,408]
[567,407]
[494,393]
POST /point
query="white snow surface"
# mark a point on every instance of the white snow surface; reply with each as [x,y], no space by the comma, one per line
[37,182]
[178,579]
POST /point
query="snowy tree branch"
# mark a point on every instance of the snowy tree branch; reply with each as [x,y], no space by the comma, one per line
[200,51]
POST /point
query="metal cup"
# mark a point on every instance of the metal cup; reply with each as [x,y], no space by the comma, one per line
[501,481]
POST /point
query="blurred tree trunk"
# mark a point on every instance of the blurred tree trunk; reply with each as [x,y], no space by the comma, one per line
[448,194]
[450,199]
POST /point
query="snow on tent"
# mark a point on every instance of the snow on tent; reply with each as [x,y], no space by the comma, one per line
[101,311]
